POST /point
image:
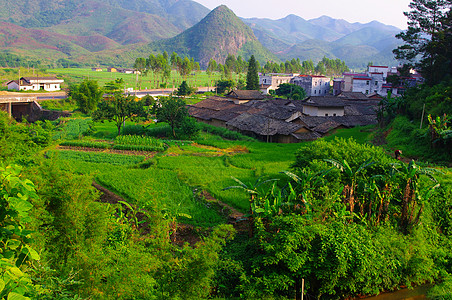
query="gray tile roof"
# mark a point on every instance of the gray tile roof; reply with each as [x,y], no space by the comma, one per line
[328,101]
[262,125]
[246,95]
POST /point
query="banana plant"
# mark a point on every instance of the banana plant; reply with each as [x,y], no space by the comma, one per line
[349,190]
[253,190]
[411,194]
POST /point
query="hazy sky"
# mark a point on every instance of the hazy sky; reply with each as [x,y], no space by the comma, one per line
[386,11]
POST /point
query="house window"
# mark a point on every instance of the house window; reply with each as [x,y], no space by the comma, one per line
[334,115]
[326,115]
[367,91]
[315,91]
[367,82]
[376,82]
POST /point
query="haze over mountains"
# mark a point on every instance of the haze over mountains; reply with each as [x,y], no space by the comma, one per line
[118,31]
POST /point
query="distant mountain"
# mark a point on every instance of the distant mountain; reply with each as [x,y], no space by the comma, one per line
[118,31]
[44,13]
[220,33]
[355,43]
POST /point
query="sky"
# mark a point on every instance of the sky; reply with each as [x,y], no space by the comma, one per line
[389,12]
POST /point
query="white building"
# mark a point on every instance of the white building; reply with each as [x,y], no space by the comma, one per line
[314,85]
[323,107]
[49,84]
[273,80]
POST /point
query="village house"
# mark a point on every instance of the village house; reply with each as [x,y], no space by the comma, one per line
[49,84]
[272,81]
[96,69]
[243,96]
[128,71]
[314,85]
[112,69]
[323,106]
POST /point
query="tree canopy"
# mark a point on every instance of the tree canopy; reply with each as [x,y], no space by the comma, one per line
[291,91]
[119,108]
[87,94]
[174,111]
[252,78]
[427,41]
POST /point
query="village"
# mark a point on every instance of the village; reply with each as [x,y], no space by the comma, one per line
[331,103]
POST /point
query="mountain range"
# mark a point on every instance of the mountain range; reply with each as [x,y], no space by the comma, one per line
[117,31]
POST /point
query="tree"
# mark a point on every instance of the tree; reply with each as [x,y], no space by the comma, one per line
[87,94]
[140,66]
[118,109]
[184,89]
[427,36]
[291,91]
[224,86]
[173,111]
[252,78]
[114,86]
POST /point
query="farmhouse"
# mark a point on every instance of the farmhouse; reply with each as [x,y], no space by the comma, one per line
[323,106]
[35,84]
[112,69]
[96,69]
[243,96]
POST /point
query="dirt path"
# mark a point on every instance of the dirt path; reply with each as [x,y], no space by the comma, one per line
[185,233]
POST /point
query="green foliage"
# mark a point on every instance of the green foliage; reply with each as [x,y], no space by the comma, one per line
[149,142]
[414,142]
[428,36]
[291,91]
[87,94]
[224,86]
[16,252]
[71,129]
[19,141]
[184,89]
[87,144]
[114,159]
[118,109]
[224,132]
[175,112]
[437,100]
[252,78]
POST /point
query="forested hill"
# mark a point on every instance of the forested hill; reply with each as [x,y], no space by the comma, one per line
[220,33]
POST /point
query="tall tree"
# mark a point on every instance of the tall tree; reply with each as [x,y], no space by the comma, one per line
[425,38]
[252,78]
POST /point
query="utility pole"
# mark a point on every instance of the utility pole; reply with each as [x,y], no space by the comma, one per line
[422,118]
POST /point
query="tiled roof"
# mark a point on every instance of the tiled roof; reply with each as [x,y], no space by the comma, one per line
[352,95]
[324,102]
[246,95]
[262,125]
[325,127]
[307,136]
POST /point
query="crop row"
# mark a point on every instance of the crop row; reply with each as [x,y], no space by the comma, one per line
[137,140]
[139,148]
[87,144]
[99,157]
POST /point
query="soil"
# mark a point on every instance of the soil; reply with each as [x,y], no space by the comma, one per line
[184,233]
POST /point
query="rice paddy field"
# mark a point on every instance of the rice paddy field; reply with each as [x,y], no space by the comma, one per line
[171,179]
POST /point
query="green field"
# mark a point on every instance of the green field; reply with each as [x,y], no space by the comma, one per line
[148,81]
[169,178]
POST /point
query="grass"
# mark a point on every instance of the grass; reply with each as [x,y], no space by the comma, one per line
[360,134]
